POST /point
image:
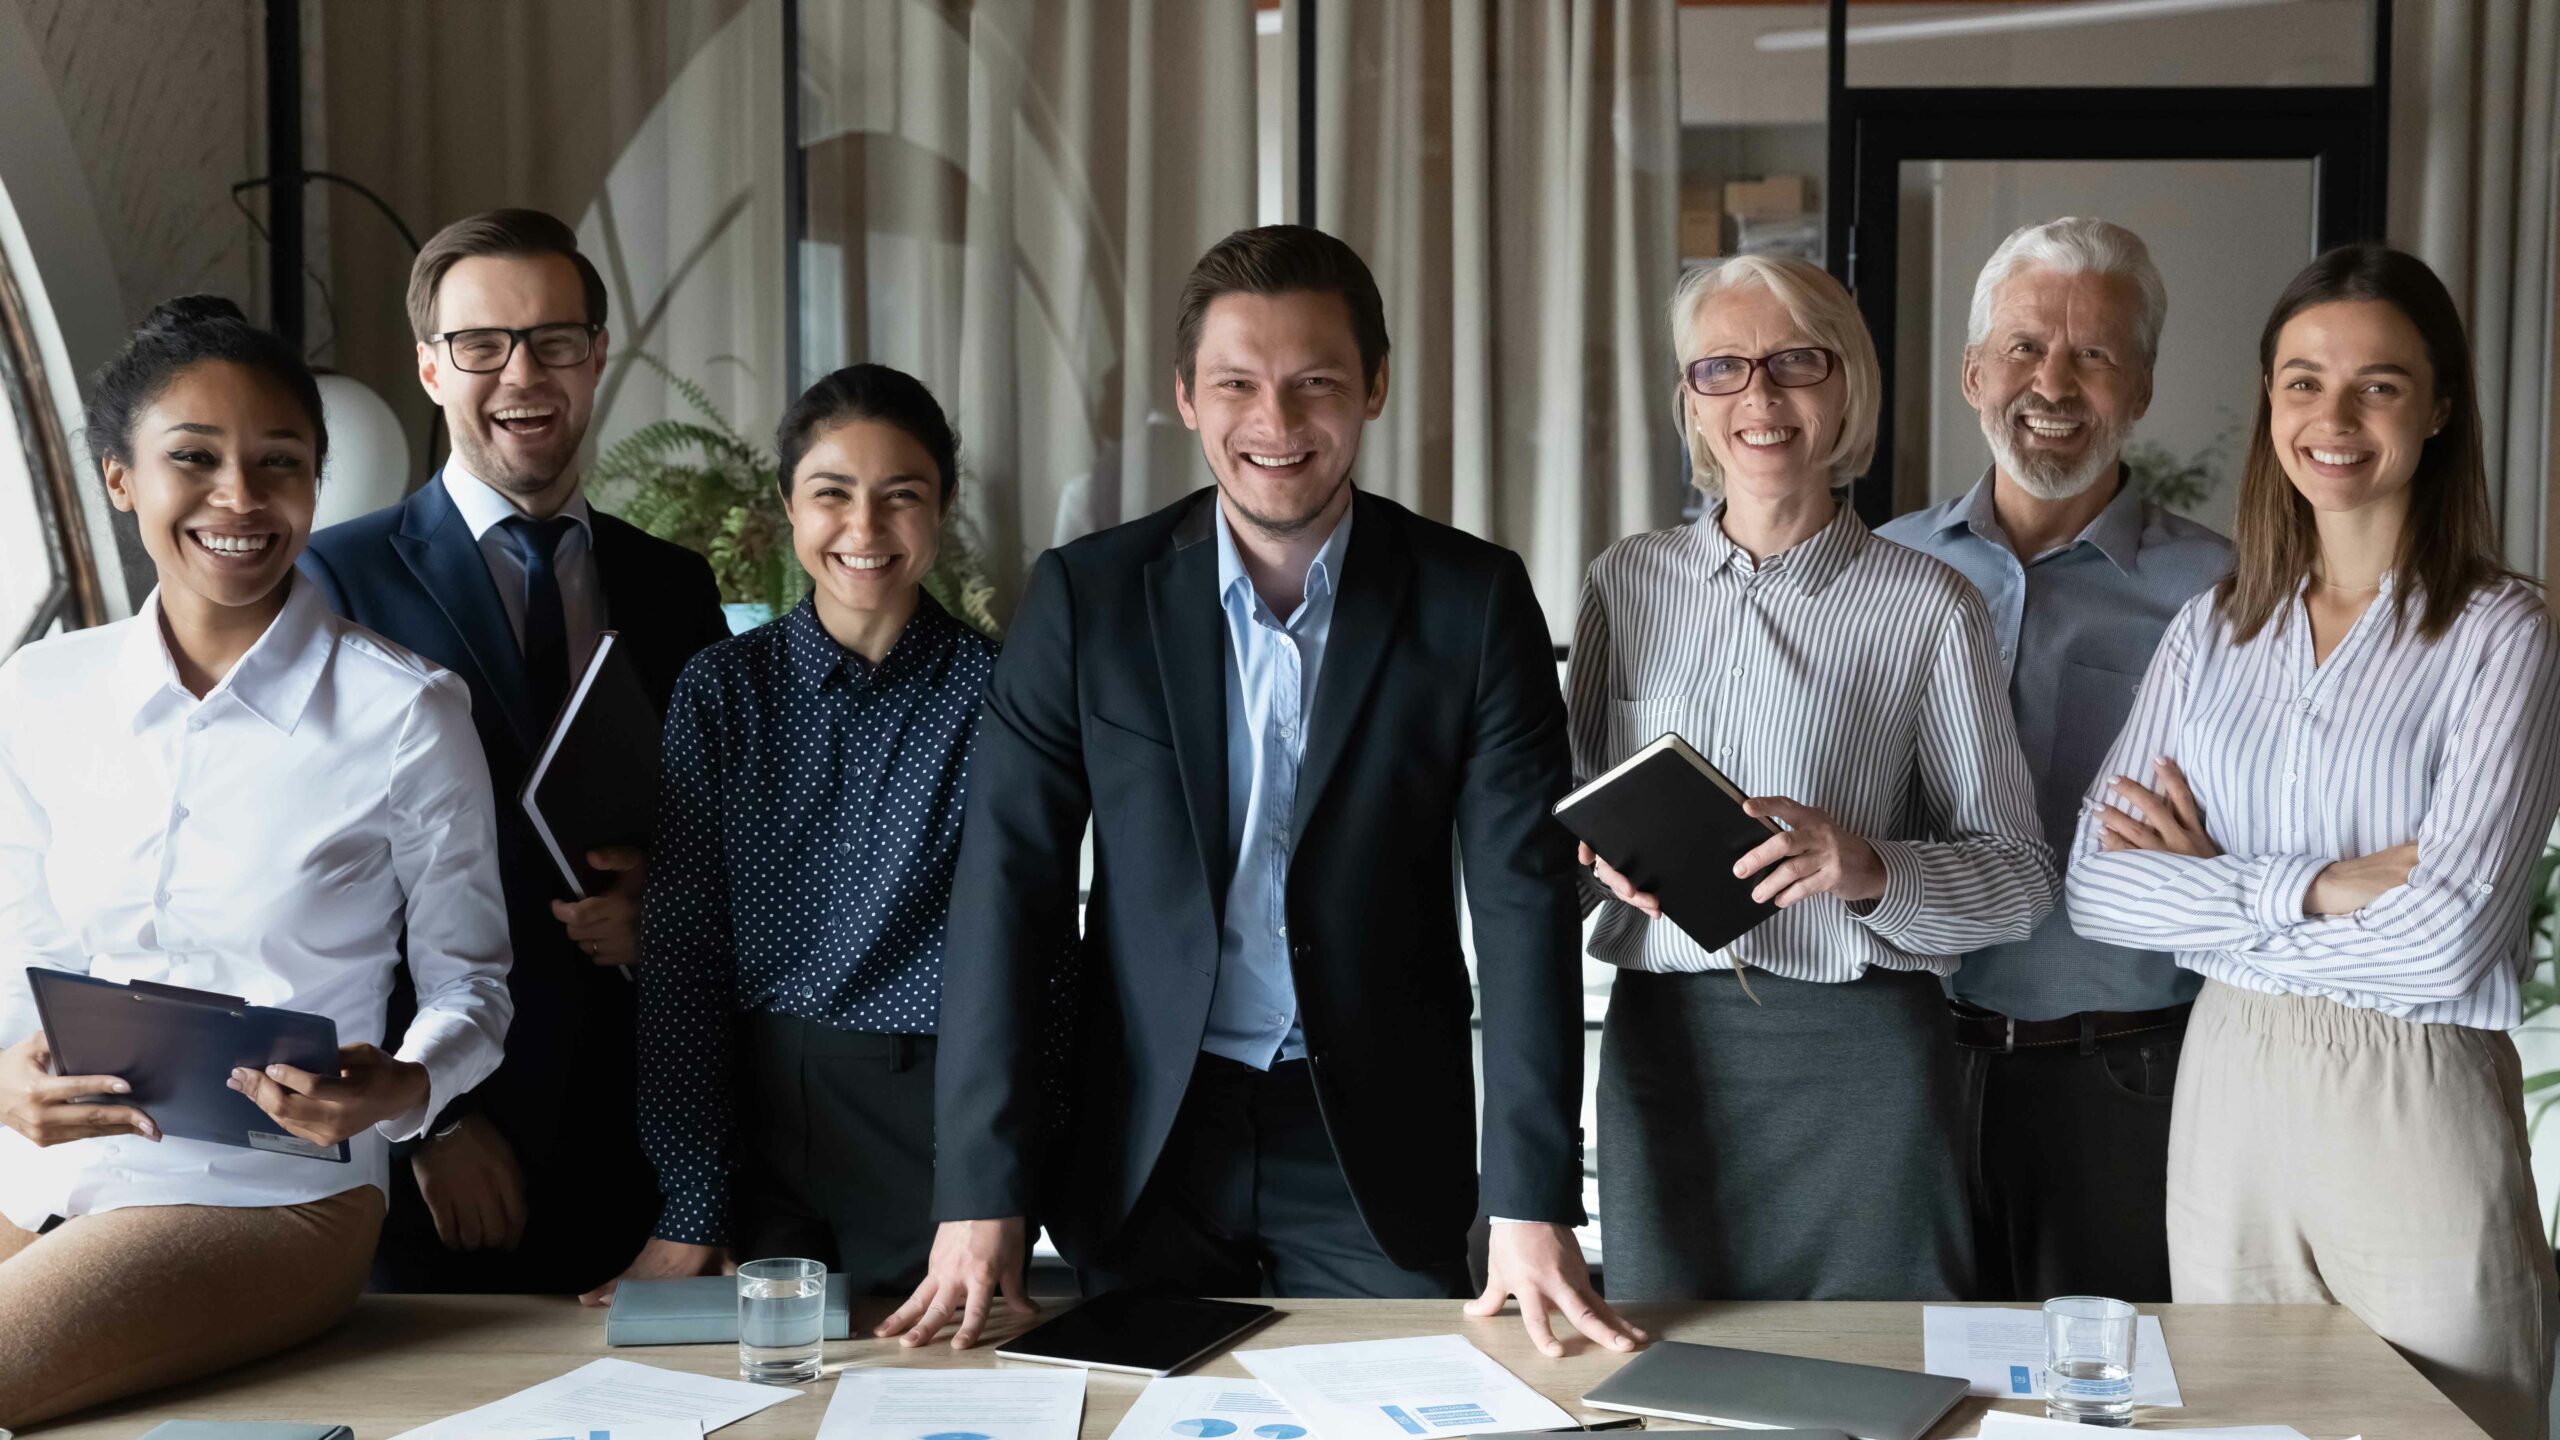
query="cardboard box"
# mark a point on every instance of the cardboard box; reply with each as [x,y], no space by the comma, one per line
[1773,197]
[1701,222]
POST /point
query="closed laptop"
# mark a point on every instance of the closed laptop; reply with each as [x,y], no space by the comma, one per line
[1717,1386]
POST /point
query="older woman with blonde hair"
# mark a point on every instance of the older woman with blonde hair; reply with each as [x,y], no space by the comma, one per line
[1791,1137]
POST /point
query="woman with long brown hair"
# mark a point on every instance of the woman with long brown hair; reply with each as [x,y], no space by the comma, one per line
[2352,749]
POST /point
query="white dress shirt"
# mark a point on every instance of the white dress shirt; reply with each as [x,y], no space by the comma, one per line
[574,563]
[2298,763]
[1849,674]
[274,841]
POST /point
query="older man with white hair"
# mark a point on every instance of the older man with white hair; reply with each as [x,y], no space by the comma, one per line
[2069,1046]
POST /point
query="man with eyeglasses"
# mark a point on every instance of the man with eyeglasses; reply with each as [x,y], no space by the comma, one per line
[2069,1047]
[498,570]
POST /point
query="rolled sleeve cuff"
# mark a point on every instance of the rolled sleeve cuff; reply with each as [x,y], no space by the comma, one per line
[456,1057]
[694,1218]
[1904,888]
[2284,884]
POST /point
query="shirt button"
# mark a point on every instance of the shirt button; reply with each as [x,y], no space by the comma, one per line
[2291,778]
[1735,672]
[195,722]
[1284,932]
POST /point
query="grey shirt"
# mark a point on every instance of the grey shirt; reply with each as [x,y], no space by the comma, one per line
[2074,629]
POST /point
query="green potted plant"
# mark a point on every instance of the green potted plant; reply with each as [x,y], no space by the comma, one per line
[702,485]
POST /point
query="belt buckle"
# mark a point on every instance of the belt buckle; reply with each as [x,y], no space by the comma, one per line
[2009,1039]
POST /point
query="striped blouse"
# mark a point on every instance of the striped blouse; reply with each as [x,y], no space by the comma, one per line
[1849,674]
[2455,745]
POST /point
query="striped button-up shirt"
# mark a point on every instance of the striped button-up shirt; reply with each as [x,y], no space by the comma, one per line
[1849,674]
[2296,764]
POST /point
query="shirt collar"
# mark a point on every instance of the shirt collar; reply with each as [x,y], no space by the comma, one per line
[817,657]
[1813,564]
[2116,530]
[483,508]
[1324,572]
[273,681]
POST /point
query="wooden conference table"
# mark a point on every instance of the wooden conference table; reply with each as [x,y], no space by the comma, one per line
[401,1361]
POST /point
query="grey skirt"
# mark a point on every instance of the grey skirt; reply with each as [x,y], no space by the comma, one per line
[1803,1148]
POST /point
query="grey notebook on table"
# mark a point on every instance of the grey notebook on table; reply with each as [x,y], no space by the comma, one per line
[699,1310]
[242,1430]
[1717,1386]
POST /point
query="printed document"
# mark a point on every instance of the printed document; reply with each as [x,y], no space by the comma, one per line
[1398,1389]
[1041,1404]
[2002,1353]
[602,1394]
[1208,1407]
[1997,1424]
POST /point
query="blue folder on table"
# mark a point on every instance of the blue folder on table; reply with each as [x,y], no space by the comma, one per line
[699,1310]
[176,1047]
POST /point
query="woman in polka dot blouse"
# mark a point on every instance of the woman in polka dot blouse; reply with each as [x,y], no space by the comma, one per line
[815,774]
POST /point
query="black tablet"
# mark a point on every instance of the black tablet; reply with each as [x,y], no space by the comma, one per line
[1137,1334]
[176,1047]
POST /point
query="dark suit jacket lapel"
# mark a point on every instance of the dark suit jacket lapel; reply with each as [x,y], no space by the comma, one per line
[1376,571]
[437,547]
[1191,657]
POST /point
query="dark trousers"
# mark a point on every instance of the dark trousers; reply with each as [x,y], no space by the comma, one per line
[836,1153]
[2068,1166]
[1248,1199]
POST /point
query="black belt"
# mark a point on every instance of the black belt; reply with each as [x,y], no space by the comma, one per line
[1980,1029]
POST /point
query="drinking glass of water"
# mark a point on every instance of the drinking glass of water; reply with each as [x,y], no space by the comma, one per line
[782,1320]
[2088,1360]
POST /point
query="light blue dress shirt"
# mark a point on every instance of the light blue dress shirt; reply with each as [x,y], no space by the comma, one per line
[1271,689]
[2076,626]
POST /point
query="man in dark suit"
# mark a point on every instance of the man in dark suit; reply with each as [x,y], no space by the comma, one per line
[1294,714]
[498,571]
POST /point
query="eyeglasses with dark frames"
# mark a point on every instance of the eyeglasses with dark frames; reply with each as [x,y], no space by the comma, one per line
[485,349]
[1792,369]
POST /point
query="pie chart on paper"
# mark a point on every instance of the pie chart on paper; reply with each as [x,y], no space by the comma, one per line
[1204,1429]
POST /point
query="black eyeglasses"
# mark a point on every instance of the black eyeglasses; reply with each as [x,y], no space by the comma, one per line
[1788,370]
[485,349]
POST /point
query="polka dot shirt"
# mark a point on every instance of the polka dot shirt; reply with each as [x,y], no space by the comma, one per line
[808,825]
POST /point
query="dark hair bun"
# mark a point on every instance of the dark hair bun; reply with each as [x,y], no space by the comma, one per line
[190,330]
[185,312]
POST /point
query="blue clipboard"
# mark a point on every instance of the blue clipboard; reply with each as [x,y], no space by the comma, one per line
[176,1048]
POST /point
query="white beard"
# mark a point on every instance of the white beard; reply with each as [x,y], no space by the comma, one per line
[2051,479]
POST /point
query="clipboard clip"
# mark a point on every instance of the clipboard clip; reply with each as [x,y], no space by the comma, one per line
[180,994]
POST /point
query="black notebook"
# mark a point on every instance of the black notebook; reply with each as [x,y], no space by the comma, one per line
[1673,825]
[594,783]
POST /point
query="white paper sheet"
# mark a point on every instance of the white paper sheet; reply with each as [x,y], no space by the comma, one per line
[2002,1353]
[1999,1423]
[1208,1407]
[603,1393]
[628,1430]
[887,1404]
[1398,1389]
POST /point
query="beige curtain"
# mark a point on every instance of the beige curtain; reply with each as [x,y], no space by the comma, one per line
[1510,169]
[1004,197]
[2476,164]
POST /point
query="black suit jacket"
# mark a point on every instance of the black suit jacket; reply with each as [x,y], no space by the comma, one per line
[1437,738]
[413,574]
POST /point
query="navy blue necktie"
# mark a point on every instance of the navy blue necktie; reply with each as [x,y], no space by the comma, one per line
[546,627]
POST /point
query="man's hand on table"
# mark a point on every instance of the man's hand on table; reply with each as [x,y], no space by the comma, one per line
[973,1262]
[1542,1266]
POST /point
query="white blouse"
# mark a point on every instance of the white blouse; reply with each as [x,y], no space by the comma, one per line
[1850,674]
[275,841]
[2455,745]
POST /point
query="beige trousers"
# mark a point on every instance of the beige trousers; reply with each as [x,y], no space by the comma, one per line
[2320,1153]
[129,1300]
